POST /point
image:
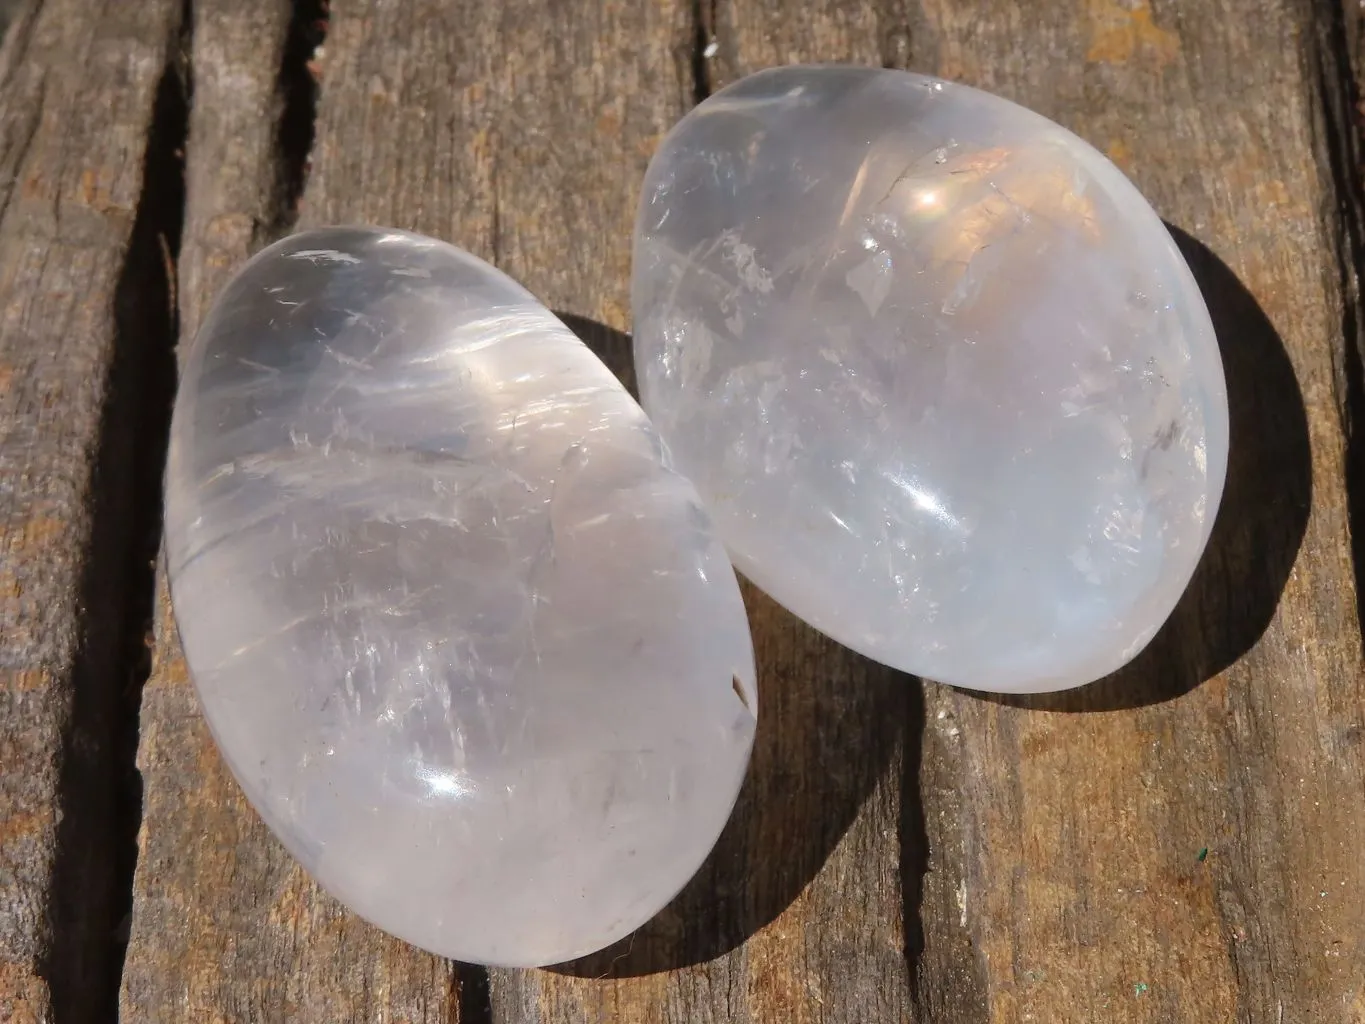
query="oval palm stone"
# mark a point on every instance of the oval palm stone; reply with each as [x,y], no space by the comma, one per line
[462,635]
[946,385]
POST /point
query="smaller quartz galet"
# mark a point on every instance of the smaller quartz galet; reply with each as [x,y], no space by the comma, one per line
[946,385]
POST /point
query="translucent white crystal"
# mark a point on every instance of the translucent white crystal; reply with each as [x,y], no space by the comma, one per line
[946,385]
[464,638]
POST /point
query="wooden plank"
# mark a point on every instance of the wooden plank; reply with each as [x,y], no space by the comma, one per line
[226,926]
[78,91]
[1180,842]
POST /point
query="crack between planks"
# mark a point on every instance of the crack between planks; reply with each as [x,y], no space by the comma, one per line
[495,218]
[90,899]
[945,972]
[914,841]
[1339,113]
[703,32]
[900,26]
[471,998]
[148,319]
[298,90]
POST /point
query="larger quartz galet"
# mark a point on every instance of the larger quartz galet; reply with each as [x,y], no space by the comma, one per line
[463,636]
[946,385]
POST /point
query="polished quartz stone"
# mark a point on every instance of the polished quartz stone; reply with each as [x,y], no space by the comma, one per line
[463,636]
[947,387]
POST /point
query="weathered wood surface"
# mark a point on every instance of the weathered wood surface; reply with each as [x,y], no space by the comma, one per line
[1179,843]
[78,305]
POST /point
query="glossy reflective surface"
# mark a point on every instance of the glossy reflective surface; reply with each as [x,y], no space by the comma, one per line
[944,382]
[465,640]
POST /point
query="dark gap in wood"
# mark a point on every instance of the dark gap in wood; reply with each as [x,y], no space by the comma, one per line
[298,96]
[900,26]
[914,838]
[148,319]
[703,31]
[495,221]
[608,344]
[1340,123]
[474,999]
[101,789]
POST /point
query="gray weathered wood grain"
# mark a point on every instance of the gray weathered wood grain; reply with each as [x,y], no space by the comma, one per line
[78,90]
